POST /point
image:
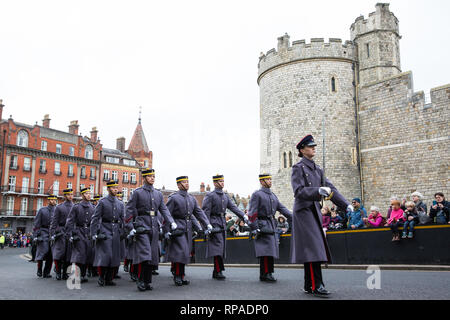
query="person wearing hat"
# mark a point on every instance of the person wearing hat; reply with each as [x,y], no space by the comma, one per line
[123,248]
[62,248]
[263,206]
[106,228]
[77,228]
[41,235]
[142,221]
[95,200]
[182,206]
[214,206]
[308,243]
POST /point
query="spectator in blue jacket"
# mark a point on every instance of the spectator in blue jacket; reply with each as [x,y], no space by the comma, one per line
[355,217]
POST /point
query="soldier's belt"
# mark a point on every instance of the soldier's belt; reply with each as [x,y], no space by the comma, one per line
[45,227]
[147,213]
[101,236]
[216,230]
[110,221]
[177,233]
[142,230]
[265,217]
[265,230]
[58,235]
[220,214]
[83,225]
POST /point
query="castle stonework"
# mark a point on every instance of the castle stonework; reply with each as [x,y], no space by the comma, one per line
[381,138]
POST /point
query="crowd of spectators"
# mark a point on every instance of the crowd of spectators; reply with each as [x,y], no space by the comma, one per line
[15,240]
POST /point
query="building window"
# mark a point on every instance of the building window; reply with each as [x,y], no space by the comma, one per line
[368,50]
[131,191]
[57,168]
[125,194]
[333,84]
[44,145]
[69,185]
[27,164]
[89,152]
[70,170]
[290,159]
[25,184]
[40,204]
[91,187]
[56,187]
[83,172]
[41,184]
[133,177]
[24,206]
[105,175]
[130,163]
[92,173]
[82,186]
[71,151]
[146,163]
[125,177]
[284,160]
[10,206]
[58,148]
[112,160]
[13,162]
[105,191]
[114,175]
[22,139]
[42,166]
[12,183]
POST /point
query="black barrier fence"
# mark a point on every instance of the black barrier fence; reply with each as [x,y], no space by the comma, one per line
[430,246]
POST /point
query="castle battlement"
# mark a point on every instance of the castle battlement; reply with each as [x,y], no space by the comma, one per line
[317,48]
[382,19]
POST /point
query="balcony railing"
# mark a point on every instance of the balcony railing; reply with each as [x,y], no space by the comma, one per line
[133,182]
[23,190]
[27,169]
[18,213]
[125,181]
[105,178]
[92,177]
[42,170]
[14,167]
[83,176]
[57,173]
[70,174]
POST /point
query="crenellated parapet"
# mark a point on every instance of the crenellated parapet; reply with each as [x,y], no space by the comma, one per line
[317,48]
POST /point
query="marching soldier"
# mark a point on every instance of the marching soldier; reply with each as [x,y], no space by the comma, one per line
[214,205]
[143,207]
[182,206]
[61,249]
[78,229]
[308,243]
[42,237]
[91,271]
[95,200]
[123,249]
[263,206]
[106,227]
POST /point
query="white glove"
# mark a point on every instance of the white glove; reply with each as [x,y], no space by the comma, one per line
[350,208]
[173,225]
[246,220]
[94,237]
[52,238]
[324,191]
[132,232]
[209,227]
[71,239]
[167,235]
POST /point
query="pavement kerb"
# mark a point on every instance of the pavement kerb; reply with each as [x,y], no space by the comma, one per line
[330,266]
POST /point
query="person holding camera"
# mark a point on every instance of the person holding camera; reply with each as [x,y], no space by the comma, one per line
[41,236]
[440,209]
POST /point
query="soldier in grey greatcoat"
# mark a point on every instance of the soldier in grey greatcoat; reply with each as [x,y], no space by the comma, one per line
[214,205]
[62,248]
[308,243]
[263,206]
[91,270]
[143,208]
[41,234]
[106,228]
[78,229]
[182,206]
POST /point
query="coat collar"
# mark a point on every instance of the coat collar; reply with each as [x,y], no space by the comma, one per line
[266,190]
[183,193]
[111,198]
[310,163]
[85,203]
[218,191]
[148,187]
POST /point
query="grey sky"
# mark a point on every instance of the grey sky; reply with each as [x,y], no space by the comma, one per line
[191,65]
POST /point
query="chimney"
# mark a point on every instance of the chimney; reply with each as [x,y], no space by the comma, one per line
[46,121]
[94,134]
[1,108]
[202,187]
[208,188]
[73,128]
[120,144]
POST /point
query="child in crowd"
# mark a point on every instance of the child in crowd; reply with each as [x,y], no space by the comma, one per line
[326,216]
[411,217]
[375,218]
[336,221]
[396,219]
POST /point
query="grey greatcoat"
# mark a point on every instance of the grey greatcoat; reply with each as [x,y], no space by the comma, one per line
[143,208]
[182,206]
[107,220]
[41,230]
[308,242]
[263,206]
[214,205]
[78,224]
[62,249]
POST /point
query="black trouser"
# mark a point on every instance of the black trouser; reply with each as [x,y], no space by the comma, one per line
[83,269]
[145,272]
[313,275]
[33,251]
[265,265]
[178,269]
[218,264]
[106,273]
[48,264]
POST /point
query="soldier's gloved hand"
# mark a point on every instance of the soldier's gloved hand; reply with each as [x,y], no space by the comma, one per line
[71,239]
[132,232]
[324,191]
[52,238]
[167,235]
[173,225]
[350,208]
[94,237]
[35,239]
[207,232]
[254,232]
[245,219]
[209,227]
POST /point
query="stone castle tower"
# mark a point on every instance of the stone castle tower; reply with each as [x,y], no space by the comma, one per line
[350,96]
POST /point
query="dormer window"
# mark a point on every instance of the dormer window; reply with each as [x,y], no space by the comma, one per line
[22,139]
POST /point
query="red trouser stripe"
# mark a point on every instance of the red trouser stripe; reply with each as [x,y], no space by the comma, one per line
[139,269]
[266,267]
[216,260]
[99,270]
[125,262]
[132,268]
[56,265]
[312,276]
[177,270]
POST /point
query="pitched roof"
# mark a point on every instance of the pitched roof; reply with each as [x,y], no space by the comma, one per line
[138,142]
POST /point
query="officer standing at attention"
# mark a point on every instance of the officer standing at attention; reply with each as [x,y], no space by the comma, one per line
[182,206]
[106,227]
[214,205]
[41,235]
[263,206]
[78,229]
[144,204]
[308,243]
[62,249]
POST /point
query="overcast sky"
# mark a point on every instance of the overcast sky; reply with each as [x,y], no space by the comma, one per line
[191,65]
